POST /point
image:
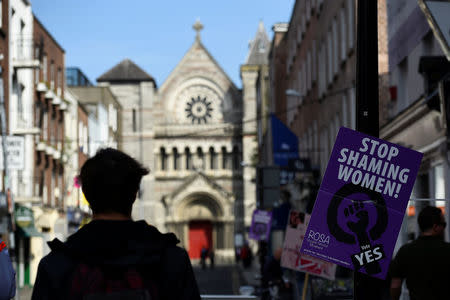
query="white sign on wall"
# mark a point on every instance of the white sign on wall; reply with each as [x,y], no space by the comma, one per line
[15,152]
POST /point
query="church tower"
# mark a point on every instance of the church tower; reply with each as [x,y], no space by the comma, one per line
[254,75]
[136,92]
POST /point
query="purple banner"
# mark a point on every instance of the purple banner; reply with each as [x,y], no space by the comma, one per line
[261,222]
[361,203]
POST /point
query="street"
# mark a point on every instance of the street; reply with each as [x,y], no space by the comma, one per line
[222,280]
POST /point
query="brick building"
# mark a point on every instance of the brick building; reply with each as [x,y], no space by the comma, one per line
[4,65]
[312,77]
[49,107]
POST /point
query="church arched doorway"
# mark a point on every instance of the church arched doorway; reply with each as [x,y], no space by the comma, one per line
[200,235]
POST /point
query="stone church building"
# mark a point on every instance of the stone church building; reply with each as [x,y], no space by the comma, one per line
[196,132]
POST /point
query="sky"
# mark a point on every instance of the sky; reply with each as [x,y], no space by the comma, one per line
[98,34]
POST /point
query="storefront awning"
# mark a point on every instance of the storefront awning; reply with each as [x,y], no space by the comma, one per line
[28,231]
[24,218]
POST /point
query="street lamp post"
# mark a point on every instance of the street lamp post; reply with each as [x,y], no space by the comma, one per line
[366,287]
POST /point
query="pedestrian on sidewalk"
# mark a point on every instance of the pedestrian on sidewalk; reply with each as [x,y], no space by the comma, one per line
[7,274]
[113,256]
[203,255]
[211,258]
[425,262]
[246,256]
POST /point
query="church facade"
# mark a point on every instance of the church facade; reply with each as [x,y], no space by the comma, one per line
[192,134]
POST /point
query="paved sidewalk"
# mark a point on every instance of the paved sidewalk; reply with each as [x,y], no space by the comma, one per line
[252,274]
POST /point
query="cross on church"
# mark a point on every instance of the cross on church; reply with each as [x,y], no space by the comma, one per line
[198,26]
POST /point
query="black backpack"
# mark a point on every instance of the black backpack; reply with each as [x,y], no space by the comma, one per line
[92,281]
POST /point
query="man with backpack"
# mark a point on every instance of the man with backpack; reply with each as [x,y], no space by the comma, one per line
[114,257]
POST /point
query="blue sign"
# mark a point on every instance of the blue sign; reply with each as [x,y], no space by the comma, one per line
[285,143]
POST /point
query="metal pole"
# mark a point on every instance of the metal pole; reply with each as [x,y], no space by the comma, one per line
[366,287]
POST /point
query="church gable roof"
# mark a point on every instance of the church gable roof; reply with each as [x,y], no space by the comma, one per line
[259,48]
[194,179]
[197,60]
[125,71]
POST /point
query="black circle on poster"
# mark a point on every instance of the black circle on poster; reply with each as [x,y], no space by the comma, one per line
[332,214]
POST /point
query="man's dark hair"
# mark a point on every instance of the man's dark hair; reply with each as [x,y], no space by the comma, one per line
[429,216]
[110,181]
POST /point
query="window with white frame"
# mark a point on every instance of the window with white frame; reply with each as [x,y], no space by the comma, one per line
[52,75]
[343,35]
[351,23]
[59,82]
[45,125]
[308,10]
[335,47]
[86,139]
[80,136]
[329,58]
[37,70]
[44,67]
[52,189]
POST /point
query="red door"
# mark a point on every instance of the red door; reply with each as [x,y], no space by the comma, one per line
[200,235]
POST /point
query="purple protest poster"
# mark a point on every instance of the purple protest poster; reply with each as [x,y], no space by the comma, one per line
[261,222]
[361,203]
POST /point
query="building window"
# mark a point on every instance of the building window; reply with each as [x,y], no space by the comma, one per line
[212,158]
[59,82]
[343,37]
[45,124]
[308,10]
[352,108]
[37,70]
[329,58]
[335,47]
[351,23]
[188,155]
[201,157]
[52,75]
[163,159]
[134,119]
[44,67]
[52,188]
[225,164]
[176,159]
[314,61]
